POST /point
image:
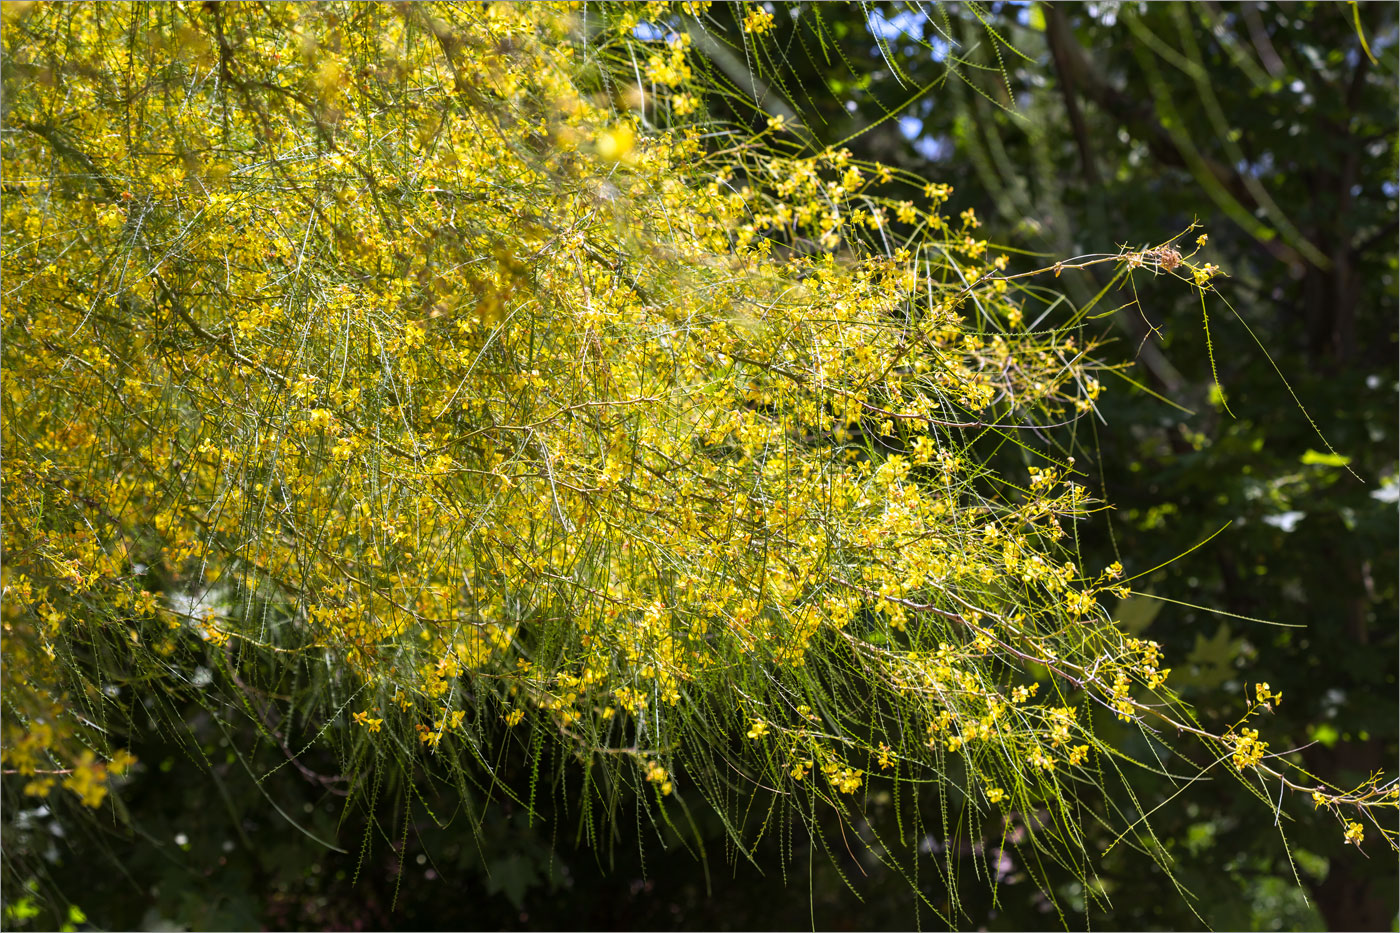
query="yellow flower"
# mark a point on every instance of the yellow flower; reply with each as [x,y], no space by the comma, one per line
[847,780]
[1203,274]
[758,730]
[88,780]
[758,21]
[616,144]
[1354,834]
[39,787]
[658,776]
[1020,694]
[364,719]
[996,794]
[121,760]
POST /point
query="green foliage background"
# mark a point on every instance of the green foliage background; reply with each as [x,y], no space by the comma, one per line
[1071,128]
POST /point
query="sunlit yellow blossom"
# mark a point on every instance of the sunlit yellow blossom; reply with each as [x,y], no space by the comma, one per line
[758,21]
[1248,750]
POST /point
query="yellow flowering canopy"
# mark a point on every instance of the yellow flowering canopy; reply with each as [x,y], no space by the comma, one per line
[445,364]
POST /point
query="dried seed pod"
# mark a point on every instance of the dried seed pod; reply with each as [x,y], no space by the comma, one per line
[1168,257]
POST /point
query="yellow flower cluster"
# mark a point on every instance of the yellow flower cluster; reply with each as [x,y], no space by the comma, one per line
[847,780]
[758,20]
[455,372]
[659,776]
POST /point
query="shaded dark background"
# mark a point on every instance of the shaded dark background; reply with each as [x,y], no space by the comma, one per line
[1070,128]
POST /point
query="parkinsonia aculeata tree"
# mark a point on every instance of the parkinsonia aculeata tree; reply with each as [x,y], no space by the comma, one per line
[442,375]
